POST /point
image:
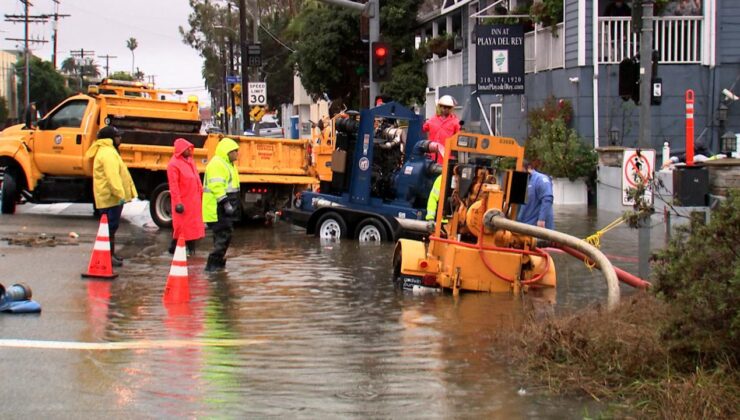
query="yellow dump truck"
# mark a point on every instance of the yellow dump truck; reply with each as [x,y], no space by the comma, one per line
[45,163]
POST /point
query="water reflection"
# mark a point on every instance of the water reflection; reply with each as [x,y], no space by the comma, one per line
[336,338]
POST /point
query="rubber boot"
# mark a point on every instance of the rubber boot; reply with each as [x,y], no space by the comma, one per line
[213,263]
[173,245]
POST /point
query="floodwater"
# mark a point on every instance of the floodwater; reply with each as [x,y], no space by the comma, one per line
[328,336]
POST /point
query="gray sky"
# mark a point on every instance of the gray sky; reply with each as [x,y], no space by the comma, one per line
[104,26]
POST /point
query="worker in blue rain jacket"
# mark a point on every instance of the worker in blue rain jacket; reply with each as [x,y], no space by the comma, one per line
[538,209]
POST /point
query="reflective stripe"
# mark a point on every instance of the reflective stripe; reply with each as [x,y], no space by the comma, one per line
[178,271]
[232,190]
[206,190]
[101,245]
[216,180]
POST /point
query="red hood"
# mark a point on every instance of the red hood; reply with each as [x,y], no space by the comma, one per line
[182,145]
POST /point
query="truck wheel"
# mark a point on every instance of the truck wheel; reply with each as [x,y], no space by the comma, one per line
[371,230]
[332,226]
[9,193]
[160,207]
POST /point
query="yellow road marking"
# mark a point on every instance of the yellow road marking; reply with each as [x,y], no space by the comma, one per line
[124,345]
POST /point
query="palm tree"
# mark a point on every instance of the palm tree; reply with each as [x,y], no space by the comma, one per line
[131,44]
[69,66]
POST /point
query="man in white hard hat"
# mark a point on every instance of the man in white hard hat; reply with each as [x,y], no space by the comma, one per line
[443,125]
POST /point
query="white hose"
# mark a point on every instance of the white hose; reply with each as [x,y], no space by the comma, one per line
[494,219]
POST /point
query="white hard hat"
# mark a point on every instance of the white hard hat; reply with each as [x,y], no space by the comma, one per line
[446,100]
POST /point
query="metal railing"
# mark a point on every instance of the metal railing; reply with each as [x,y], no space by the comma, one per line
[544,49]
[678,39]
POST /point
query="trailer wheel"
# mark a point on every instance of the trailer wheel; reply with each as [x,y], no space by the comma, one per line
[160,207]
[9,192]
[332,226]
[371,230]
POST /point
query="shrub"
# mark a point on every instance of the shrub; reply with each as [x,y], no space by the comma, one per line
[555,148]
[699,273]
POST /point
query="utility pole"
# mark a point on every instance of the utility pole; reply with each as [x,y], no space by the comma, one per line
[231,71]
[107,63]
[26,19]
[54,37]
[246,121]
[645,140]
[82,55]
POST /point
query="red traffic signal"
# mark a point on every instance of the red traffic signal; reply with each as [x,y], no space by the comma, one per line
[380,51]
[381,62]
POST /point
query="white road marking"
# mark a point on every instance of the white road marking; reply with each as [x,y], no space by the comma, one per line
[125,345]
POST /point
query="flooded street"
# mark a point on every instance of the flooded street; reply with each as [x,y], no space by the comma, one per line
[311,329]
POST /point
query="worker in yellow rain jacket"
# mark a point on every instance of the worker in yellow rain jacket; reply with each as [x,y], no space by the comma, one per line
[221,200]
[112,183]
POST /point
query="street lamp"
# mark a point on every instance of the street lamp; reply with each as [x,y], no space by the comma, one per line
[729,143]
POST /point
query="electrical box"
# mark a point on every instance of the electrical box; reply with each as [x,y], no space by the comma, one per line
[691,186]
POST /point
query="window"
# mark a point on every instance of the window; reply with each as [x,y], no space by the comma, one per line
[268,125]
[497,119]
[70,115]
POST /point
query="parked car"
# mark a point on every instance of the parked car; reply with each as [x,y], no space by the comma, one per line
[268,127]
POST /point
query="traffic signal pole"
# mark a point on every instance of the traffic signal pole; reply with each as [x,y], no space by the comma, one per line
[646,85]
[372,8]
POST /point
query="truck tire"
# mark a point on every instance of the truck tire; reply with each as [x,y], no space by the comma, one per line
[331,226]
[160,207]
[371,230]
[9,192]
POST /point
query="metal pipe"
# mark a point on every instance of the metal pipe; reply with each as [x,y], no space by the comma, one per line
[322,202]
[412,225]
[494,219]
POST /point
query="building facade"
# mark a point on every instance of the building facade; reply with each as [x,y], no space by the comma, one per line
[8,81]
[580,56]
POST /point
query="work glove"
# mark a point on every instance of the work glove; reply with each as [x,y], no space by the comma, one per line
[430,225]
[180,208]
[229,210]
[122,202]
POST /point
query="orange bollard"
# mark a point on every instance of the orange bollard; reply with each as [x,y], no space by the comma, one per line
[177,289]
[100,260]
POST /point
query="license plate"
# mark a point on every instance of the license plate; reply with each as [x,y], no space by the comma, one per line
[252,197]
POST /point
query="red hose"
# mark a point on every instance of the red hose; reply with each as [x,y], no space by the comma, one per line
[482,248]
[622,275]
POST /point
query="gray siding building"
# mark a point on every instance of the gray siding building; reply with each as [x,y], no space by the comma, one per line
[698,49]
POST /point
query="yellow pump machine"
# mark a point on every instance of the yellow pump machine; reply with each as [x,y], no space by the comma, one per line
[481,175]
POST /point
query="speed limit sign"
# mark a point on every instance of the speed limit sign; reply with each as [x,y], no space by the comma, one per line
[258,93]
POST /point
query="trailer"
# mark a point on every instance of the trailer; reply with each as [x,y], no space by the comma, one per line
[381,176]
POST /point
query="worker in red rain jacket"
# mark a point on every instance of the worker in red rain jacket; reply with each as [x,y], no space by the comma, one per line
[443,125]
[186,192]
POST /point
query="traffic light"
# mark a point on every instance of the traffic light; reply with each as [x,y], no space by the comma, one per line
[381,62]
[629,80]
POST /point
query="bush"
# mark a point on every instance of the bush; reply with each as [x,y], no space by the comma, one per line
[555,148]
[699,273]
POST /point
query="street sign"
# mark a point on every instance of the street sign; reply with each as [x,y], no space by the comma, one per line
[254,55]
[637,169]
[257,113]
[233,79]
[257,93]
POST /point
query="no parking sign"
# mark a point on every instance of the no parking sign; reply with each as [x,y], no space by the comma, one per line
[637,169]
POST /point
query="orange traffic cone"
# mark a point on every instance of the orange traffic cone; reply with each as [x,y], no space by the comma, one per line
[100,260]
[177,289]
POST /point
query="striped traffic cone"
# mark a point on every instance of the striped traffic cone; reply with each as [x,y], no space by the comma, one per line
[177,289]
[100,260]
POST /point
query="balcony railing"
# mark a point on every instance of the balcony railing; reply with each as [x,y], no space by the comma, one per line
[543,50]
[678,39]
[445,71]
